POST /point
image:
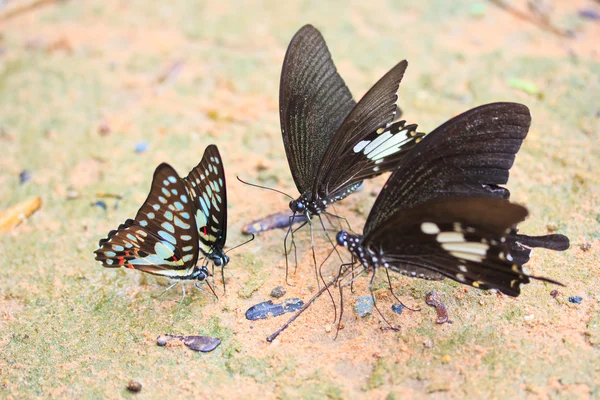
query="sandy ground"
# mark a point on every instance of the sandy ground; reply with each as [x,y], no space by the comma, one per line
[83,83]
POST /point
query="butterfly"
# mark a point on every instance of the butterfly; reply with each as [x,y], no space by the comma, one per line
[443,214]
[331,142]
[180,218]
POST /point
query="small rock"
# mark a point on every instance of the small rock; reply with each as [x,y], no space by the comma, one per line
[528,317]
[552,227]
[134,386]
[397,308]
[554,293]
[446,359]
[585,246]
[24,176]
[327,328]
[575,299]
[204,344]
[364,306]
[141,147]
[588,13]
[99,203]
[72,194]
[278,292]
[104,129]
[267,309]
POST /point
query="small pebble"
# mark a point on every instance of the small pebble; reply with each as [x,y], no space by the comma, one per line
[434,300]
[327,328]
[267,309]
[24,176]
[278,292]
[585,246]
[575,299]
[134,386]
[397,308]
[104,129]
[528,317]
[364,306]
[446,359]
[141,147]
[588,13]
[554,293]
[552,227]
[100,203]
[72,194]
[204,344]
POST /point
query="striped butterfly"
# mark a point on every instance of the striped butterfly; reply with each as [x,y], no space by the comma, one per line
[179,219]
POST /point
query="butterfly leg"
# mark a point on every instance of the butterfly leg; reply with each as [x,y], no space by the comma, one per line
[394,294]
[290,232]
[167,289]
[314,256]
[375,302]
[341,276]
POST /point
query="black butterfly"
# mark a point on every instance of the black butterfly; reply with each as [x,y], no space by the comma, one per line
[442,213]
[179,219]
[332,143]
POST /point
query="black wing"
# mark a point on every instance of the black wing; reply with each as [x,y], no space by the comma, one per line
[162,239]
[461,239]
[313,102]
[207,188]
[367,143]
[470,155]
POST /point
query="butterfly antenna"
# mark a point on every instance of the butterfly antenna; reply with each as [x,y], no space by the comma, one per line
[241,244]
[394,294]
[263,187]
[300,311]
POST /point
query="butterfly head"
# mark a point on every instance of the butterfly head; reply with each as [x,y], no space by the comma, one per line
[200,273]
[219,258]
[298,206]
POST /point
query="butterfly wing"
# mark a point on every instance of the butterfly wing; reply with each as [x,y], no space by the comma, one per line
[313,102]
[207,189]
[461,239]
[162,239]
[367,143]
[470,155]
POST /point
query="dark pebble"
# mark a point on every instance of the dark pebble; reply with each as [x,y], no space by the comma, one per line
[100,204]
[554,293]
[585,246]
[134,386]
[588,13]
[267,309]
[576,299]
[204,344]
[397,308]
[141,147]
[24,176]
[278,292]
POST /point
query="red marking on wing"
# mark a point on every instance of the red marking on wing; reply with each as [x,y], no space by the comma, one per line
[204,230]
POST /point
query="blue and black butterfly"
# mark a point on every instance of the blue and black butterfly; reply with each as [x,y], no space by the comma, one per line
[180,219]
[333,143]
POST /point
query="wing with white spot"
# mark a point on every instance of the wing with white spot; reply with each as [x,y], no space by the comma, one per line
[367,143]
[162,239]
[207,188]
[460,239]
